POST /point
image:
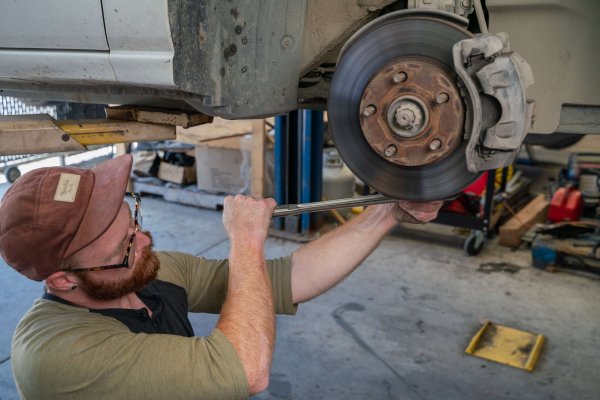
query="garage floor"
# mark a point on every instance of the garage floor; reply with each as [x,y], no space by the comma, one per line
[398,327]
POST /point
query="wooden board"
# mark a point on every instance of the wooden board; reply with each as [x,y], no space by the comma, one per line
[514,228]
[219,129]
[32,134]
[158,116]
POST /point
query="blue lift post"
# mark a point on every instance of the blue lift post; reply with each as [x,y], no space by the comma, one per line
[298,165]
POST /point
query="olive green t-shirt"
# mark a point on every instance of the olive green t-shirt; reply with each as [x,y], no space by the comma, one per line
[61,351]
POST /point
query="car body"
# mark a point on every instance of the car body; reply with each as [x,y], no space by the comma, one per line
[243,59]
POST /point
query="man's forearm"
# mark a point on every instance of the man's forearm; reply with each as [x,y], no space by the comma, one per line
[247,317]
[321,264]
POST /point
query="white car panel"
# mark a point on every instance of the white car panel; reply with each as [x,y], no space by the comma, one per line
[52,24]
[66,66]
[139,37]
[559,40]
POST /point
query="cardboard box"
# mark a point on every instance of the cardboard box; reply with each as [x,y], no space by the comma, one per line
[219,169]
[514,228]
[177,174]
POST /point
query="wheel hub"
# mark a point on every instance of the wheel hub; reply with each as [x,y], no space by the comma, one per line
[407,115]
[414,107]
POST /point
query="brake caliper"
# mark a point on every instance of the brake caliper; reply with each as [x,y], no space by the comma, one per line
[494,80]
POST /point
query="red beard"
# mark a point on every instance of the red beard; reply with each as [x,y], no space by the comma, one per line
[145,270]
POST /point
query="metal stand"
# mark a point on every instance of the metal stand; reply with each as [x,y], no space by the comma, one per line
[298,166]
[480,226]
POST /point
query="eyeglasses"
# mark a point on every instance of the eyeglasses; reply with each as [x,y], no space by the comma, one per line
[137,220]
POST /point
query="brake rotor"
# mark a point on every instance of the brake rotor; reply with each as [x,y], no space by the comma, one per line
[395,111]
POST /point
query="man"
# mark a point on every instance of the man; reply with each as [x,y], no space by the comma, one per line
[112,324]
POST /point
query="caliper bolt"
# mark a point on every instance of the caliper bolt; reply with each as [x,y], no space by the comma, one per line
[390,150]
[435,144]
[442,98]
[399,77]
[369,110]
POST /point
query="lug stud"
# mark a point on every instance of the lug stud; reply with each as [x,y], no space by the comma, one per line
[442,98]
[369,110]
[399,77]
[435,144]
[390,150]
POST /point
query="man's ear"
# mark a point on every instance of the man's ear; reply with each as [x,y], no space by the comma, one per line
[61,281]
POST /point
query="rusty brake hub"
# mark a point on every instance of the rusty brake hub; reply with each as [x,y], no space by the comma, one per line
[412,113]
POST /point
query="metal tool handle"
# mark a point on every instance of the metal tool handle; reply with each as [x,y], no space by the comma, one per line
[295,209]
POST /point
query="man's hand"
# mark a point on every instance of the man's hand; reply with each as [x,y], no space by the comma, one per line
[415,213]
[245,218]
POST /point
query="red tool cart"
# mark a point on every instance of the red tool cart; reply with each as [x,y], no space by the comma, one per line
[471,210]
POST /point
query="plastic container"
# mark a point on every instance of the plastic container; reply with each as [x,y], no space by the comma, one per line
[338,180]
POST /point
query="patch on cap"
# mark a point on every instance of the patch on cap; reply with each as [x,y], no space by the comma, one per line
[67,188]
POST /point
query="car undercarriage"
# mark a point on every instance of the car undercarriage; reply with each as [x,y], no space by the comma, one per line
[419,100]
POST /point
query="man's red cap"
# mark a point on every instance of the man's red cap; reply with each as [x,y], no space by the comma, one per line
[51,213]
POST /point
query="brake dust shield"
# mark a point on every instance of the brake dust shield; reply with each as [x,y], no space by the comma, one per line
[395,110]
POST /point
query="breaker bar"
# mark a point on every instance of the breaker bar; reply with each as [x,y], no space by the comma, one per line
[326,205]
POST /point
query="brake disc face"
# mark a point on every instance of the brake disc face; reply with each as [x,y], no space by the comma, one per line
[395,110]
[412,112]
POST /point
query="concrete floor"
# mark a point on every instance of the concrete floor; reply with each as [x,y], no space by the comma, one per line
[397,328]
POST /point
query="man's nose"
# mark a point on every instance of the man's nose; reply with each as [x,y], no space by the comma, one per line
[142,240]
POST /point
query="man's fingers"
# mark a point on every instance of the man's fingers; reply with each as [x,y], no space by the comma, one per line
[423,216]
[271,202]
[431,206]
[414,212]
